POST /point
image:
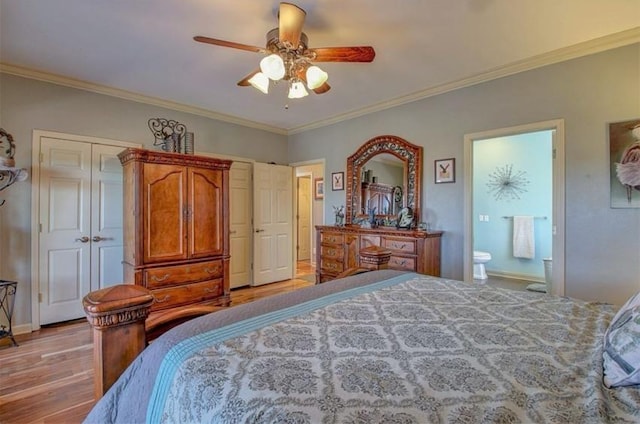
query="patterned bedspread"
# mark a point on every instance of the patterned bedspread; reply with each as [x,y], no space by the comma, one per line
[408,349]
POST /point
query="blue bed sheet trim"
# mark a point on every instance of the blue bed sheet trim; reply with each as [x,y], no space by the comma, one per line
[188,347]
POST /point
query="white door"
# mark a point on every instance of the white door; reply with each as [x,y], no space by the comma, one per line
[80,201]
[106,217]
[304,218]
[273,226]
[240,234]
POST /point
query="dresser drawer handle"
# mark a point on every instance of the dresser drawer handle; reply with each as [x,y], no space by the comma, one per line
[211,270]
[164,299]
[210,290]
[160,279]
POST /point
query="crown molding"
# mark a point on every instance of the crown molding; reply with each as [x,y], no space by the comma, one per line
[135,97]
[586,48]
[596,45]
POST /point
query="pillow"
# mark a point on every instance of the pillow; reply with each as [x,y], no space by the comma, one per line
[622,346]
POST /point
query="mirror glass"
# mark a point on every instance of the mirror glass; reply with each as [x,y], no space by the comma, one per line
[383,177]
[382,182]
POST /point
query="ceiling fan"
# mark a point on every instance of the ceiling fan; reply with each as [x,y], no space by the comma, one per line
[289,58]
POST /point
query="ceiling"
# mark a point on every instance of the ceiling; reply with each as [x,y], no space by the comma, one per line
[144,50]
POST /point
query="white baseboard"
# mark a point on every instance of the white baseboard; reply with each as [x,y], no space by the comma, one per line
[513,276]
[21,329]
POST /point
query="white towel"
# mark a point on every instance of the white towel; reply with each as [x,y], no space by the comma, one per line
[524,245]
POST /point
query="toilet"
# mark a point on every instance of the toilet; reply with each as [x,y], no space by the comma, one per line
[479,259]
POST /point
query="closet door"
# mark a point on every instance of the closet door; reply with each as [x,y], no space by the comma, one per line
[80,230]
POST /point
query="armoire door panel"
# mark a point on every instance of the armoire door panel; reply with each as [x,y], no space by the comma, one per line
[205,214]
[165,213]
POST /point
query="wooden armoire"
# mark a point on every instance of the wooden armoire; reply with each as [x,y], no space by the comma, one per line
[176,228]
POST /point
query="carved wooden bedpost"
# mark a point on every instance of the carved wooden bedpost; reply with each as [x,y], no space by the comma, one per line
[117,315]
[375,257]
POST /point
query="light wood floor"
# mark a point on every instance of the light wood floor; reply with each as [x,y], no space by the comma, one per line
[48,378]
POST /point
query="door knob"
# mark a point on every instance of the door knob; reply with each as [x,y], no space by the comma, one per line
[84,239]
[259,231]
[97,238]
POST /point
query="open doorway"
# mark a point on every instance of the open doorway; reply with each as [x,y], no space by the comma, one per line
[309,213]
[513,188]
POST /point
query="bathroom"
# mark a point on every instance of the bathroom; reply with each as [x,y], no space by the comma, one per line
[512,177]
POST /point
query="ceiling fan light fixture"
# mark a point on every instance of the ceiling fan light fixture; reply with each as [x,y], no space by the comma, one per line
[316,77]
[260,81]
[297,90]
[273,67]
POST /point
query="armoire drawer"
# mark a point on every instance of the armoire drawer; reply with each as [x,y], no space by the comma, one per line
[180,274]
[403,263]
[186,294]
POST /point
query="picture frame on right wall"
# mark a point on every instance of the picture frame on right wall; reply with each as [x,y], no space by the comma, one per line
[624,163]
[445,171]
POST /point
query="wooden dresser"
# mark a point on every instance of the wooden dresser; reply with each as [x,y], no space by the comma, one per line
[176,227]
[338,249]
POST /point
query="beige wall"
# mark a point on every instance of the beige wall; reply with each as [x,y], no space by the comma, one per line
[602,244]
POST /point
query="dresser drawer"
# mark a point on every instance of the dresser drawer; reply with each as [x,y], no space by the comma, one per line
[185,294]
[332,238]
[180,274]
[399,244]
[332,266]
[332,252]
[402,263]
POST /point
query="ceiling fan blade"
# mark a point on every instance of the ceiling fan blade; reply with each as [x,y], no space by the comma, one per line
[244,82]
[343,54]
[231,44]
[291,19]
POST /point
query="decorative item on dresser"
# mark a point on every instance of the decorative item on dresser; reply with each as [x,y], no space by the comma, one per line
[339,248]
[176,230]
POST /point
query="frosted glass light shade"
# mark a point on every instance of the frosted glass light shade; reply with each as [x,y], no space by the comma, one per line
[273,67]
[316,77]
[260,81]
[297,90]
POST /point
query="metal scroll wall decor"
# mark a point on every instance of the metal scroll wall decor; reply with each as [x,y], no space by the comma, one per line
[171,136]
[505,183]
[8,173]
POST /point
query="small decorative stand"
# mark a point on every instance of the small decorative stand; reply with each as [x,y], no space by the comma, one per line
[7,300]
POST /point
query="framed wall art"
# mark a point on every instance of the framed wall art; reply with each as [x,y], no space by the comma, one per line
[624,159]
[337,181]
[318,192]
[445,171]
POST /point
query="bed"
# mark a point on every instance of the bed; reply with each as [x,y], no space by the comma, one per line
[384,346]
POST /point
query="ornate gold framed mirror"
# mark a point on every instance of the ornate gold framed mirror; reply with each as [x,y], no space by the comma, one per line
[366,195]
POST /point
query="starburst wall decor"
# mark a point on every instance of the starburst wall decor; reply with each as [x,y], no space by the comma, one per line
[505,183]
